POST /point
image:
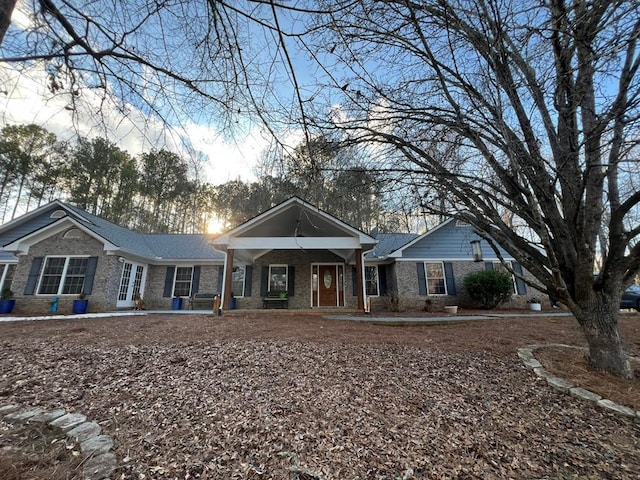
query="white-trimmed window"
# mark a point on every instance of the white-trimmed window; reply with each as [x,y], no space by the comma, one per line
[371,280]
[500,267]
[182,282]
[278,278]
[6,275]
[436,282]
[63,276]
[237,281]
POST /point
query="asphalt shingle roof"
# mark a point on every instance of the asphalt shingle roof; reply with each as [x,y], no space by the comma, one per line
[389,242]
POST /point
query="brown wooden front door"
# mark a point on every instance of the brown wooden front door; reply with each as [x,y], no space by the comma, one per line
[328,293]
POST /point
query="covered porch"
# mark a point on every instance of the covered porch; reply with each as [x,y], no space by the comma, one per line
[298,252]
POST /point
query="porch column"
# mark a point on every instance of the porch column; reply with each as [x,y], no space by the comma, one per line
[359,279]
[228,273]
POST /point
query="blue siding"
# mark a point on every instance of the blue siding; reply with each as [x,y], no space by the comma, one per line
[449,242]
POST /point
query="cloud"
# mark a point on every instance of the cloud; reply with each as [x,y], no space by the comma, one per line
[27,100]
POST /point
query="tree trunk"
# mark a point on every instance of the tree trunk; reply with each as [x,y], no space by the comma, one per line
[6,9]
[599,322]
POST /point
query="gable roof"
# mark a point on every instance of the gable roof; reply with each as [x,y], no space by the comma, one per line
[294,225]
[152,247]
[294,218]
[388,243]
[449,240]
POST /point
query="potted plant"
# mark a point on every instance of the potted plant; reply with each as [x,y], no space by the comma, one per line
[176,303]
[7,302]
[534,304]
[451,309]
[80,304]
[232,302]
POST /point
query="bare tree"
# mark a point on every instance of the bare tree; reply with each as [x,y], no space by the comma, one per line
[170,61]
[541,100]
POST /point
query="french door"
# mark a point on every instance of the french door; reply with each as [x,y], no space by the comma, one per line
[132,283]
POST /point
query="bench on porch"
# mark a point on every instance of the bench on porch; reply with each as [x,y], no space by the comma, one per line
[275,299]
[206,299]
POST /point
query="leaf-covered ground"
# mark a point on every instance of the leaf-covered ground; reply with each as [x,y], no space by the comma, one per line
[275,396]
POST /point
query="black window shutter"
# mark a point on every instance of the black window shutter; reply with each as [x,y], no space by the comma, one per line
[354,281]
[488,265]
[220,278]
[521,286]
[291,283]
[92,263]
[34,273]
[382,279]
[248,271]
[264,281]
[168,281]
[422,279]
[448,277]
[195,281]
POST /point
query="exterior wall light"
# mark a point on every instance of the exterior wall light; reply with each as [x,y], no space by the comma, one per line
[476,250]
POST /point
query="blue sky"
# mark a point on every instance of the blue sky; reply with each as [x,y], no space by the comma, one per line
[228,156]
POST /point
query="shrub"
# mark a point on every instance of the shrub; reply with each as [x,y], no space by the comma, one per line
[489,288]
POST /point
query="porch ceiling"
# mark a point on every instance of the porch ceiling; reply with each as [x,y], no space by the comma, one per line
[293,225]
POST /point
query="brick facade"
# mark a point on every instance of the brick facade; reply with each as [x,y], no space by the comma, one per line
[406,289]
[105,285]
[301,261]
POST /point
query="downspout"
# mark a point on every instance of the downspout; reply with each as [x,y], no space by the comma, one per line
[364,280]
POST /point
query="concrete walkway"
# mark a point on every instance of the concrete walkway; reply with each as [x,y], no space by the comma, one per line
[442,319]
[127,313]
[347,317]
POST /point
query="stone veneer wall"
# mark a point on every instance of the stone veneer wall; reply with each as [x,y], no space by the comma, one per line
[301,261]
[105,284]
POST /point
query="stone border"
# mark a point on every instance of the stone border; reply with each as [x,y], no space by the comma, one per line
[526,355]
[99,462]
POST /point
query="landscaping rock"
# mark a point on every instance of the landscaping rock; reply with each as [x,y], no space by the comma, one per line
[21,416]
[84,431]
[68,421]
[99,467]
[96,445]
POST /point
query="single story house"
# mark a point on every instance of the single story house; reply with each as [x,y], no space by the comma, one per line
[294,252]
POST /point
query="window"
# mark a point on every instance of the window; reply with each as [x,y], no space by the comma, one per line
[277,278]
[73,233]
[63,276]
[500,267]
[371,280]
[436,284]
[182,284]
[237,281]
[6,275]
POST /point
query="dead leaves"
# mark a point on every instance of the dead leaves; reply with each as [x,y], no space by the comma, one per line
[242,408]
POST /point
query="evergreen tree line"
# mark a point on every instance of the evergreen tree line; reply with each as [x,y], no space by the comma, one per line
[159,191]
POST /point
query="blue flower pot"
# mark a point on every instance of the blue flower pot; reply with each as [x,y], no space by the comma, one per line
[80,306]
[176,304]
[6,306]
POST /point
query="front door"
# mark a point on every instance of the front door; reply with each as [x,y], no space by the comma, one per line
[327,291]
[131,284]
[327,285]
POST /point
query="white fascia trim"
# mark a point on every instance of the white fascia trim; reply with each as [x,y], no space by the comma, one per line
[33,213]
[440,259]
[225,238]
[293,243]
[397,253]
[22,245]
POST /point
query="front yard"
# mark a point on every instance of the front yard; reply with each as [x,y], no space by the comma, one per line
[300,397]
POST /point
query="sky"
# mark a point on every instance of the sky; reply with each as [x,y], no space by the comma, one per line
[25,99]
